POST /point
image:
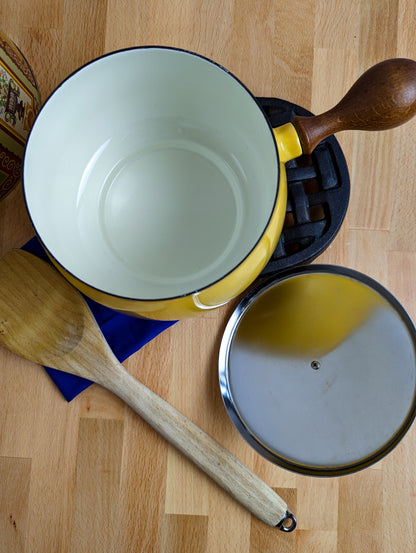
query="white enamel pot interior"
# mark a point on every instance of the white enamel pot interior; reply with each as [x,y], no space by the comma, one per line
[151,173]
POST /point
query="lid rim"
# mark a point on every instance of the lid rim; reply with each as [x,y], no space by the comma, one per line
[232,409]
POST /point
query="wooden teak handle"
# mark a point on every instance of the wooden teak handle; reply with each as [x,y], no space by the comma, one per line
[382,98]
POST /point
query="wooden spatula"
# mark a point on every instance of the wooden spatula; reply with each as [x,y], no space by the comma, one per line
[45,320]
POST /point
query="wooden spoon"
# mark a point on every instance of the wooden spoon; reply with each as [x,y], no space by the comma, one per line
[44,319]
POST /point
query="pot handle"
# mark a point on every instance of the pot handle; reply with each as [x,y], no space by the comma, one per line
[382,98]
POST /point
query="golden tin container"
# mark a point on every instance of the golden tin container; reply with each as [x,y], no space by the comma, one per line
[19,104]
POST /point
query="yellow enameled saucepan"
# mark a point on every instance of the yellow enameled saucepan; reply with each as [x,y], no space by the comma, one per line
[156,184]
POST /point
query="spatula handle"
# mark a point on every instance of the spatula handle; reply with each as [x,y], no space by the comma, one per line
[382,98]
[210,456]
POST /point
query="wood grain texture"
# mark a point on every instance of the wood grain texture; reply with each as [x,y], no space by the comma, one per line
[44,319]
[308,52]
[14,500]
[96,492]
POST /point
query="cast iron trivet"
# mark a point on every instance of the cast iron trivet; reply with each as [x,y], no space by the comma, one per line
[318,195]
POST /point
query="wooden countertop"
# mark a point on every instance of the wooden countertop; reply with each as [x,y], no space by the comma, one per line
[89,475]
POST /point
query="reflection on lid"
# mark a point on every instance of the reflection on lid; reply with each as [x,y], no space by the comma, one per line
[308,315]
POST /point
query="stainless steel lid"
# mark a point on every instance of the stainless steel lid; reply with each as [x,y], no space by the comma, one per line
[317,370]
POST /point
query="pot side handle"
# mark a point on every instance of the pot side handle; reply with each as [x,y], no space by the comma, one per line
[382,98]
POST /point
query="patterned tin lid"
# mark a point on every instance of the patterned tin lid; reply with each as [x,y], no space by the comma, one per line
[19,104]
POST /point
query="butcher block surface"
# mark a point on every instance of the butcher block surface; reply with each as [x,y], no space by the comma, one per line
[89,475]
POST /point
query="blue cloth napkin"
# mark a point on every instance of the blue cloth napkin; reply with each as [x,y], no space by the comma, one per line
[124,334]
